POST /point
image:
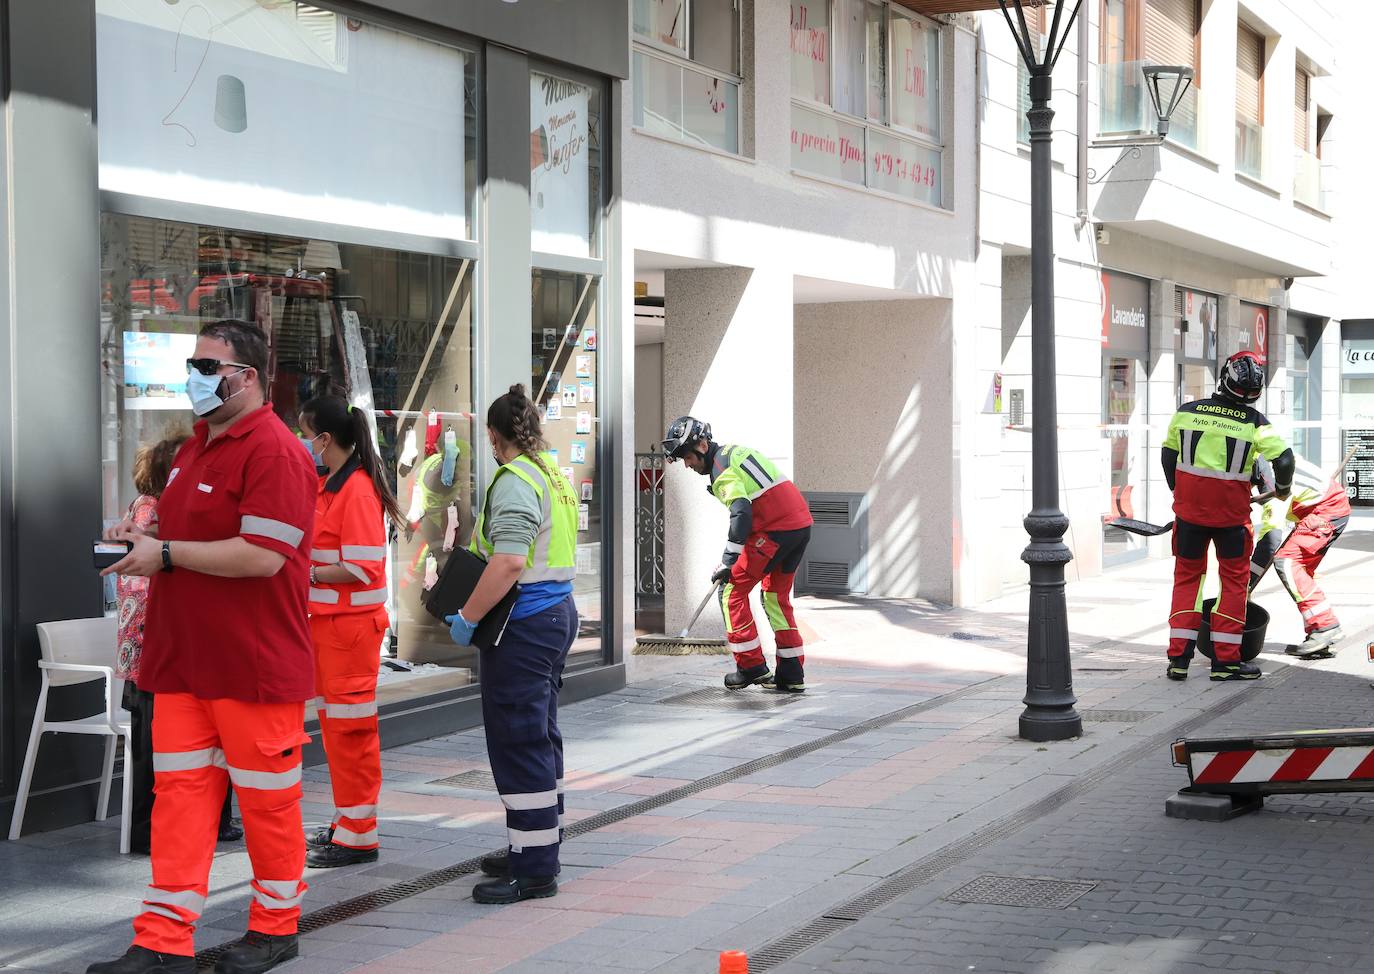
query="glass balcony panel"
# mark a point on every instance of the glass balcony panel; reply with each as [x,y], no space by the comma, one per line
[1307,179]
[1249,149]
[1125,107]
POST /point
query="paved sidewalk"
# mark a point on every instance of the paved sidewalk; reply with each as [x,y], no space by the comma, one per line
[945,787]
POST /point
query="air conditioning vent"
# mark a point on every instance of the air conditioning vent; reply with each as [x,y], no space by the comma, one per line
[831,575]
[834,513]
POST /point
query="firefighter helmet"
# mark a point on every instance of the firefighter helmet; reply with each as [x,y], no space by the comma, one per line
[1242,377]
[683,434]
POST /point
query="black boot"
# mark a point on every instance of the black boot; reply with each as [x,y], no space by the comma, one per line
[496,864]
[1235,671]
[320,837]
[141,960]
[257,952]
[512,889]
[233,832]
[740,679]
[789,677]
[329,856]
[1178,667]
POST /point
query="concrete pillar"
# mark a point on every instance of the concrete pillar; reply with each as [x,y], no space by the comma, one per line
[727,359]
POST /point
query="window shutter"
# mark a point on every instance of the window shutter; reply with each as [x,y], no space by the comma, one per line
[1249,70]
[1171,28]
[1301,98]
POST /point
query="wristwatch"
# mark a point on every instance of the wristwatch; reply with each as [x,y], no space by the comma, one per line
[166,556]
[313,579]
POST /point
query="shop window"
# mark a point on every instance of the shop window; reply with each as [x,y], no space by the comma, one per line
[866,96]
[286,109]
[686,71]
[1137,33]
[565,375]
[565,166]
[385,327]
[1249,101]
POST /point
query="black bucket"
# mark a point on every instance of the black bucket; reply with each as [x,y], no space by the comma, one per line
[1251,640]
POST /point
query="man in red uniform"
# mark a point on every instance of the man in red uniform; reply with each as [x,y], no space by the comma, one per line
[770,525]
[228,657]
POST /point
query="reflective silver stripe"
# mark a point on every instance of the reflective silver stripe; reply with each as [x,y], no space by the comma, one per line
[343,836]
[362,552]
[752,467]
[346,711]
[187,899]
[530,800]
[356,811]
[206,757]
[560,786]
[523,838]
[375,597]
[744,647]
[265,527]
[356,571]
[265,780]
[273,901]
[1317,610]
[324,596]
[163,911]
[735,547]
[315,703]
[281,887]
[1231,638]
[1182,633]
[789,652]
[325,556]
[1212,474]
[531,575]
[1238,456]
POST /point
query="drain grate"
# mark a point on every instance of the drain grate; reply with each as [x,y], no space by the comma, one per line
[1044,894]
[974,637]
[1119,716]
[368,902]
[479,779]
[924,870]
[721,699]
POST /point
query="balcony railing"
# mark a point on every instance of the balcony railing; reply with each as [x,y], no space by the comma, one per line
[1307,179]
[1249,149]
[1125,108]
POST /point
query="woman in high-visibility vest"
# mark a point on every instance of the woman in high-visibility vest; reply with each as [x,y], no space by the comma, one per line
[348,620]
[527,532]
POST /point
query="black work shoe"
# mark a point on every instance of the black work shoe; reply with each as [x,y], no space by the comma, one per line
[232,832]
[740,679]
[141,960]
[499,892]
[1178,667]
[1317,643]
[1235,671]
[320,837]
[329,856]
[496,864]
[788,677]
[257,952]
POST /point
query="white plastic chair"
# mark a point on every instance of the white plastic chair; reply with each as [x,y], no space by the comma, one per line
[80,651]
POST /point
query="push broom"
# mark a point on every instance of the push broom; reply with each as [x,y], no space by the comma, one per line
[683,644]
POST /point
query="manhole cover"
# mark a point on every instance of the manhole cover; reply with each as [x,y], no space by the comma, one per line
[1119,716]
[1047,894]
[723,699]
[479,779]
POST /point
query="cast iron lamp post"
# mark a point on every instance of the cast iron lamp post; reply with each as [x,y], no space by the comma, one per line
[1050,713]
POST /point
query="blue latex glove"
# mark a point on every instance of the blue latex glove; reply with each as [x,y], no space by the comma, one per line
[460,629]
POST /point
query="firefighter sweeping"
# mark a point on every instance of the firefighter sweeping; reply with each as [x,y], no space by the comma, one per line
[770,525]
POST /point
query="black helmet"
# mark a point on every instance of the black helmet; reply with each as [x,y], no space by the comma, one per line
[1242,377]
[683,435]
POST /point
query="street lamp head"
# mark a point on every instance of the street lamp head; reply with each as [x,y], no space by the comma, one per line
[1166,84]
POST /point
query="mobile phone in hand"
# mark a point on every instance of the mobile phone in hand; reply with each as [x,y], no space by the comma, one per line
[108,553]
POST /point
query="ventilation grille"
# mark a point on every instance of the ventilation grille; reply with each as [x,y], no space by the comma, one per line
[828,574]
[832,513]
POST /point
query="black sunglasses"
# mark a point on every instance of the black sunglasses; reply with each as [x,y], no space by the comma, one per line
[210,366]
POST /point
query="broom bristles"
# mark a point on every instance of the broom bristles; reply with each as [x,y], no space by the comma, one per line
[679,646]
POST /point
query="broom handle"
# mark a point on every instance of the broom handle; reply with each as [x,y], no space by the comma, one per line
[700,608]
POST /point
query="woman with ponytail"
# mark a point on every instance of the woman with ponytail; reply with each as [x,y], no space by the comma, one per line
[348,619]
[527,533]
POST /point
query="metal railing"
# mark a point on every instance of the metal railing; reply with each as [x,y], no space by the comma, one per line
[649,470]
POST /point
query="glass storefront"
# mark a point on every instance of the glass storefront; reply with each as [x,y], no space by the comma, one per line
[1126,439]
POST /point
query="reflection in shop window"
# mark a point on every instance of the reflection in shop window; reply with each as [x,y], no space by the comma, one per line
[564,373]
[391,330]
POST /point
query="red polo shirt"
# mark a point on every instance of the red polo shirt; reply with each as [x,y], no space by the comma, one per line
[242,638]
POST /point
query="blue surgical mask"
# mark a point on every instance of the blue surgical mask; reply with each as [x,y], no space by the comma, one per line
[203,391]
[317,457]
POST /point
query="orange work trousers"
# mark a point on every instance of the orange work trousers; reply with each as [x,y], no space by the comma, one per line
[348,654]
[199,746]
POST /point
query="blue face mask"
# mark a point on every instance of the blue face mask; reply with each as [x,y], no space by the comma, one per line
[203,391]
[317,457]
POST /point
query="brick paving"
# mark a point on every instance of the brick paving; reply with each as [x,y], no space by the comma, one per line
[745,862]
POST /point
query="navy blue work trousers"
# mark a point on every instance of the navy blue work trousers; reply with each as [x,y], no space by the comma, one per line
[520,680]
